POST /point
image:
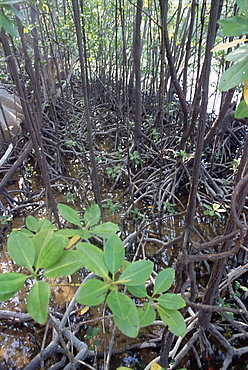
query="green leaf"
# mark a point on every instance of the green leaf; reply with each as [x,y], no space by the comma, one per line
[234,75]
[138,290]
[174,320]
[164,280]
[244,288]
[51,251]
[21,249]
[10,283]
[147,314]
[92,293]
[125,264]
[96,331]
[68,263]
[120,304]
[235,26]
[84,234]
[238,53]
[137,273]
[32,223]
[7,25]
[242,110]
[38,300]
[243,4]
[13,11]
[104,230]
[129,326]
[125,313]
[171,301]
[92,258]
[26,232]
[40,240]
[45,224]
[92,215]
[69,214]
[114,253]
[8,2]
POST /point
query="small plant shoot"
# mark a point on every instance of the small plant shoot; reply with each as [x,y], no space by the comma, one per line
[46,252]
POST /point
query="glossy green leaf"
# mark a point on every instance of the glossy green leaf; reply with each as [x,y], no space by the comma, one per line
[235,26]
[147,314]
[234,75]
[68,263]
[31,223]
[174,320]
[51,251]
[7,25]
[104,230]
[243,4]
[164,280]
[242,110]
[92,293]
[125,313]
[10,283]
[69,214]
[114,253]
[92,215]
[171,301]
[38,300]
[237,54]
[92,258]
[40,240]
[21,249]
[137,273]
[138,290]
[120,304]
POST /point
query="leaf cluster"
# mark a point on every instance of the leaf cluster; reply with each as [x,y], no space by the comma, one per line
[5,22]
[238,72]
[47,252]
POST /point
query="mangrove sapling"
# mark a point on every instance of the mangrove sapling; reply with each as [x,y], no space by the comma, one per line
[48,253]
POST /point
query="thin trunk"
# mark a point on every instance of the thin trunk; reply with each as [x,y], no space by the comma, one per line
[188,47]
[32,114]
[214,12]
[94,174]
[137,56]
[233,224]
[164,10]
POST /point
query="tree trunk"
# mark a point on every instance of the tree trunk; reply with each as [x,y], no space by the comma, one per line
[212,27]
[238,201]
[137,55]
[32,114]
[94,174]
